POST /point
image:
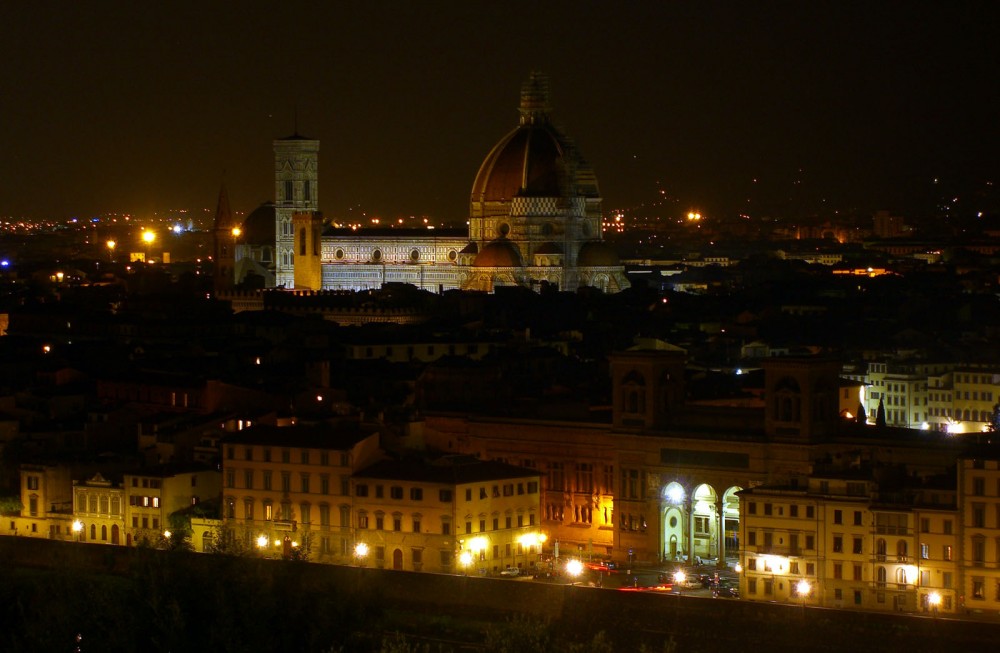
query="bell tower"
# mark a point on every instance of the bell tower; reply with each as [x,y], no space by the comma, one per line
[296,190]
[224,241]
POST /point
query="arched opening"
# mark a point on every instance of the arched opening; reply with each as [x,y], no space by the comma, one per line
[115,534]
[674,517]
[104,533]
[880,550]
[397,559]
[705,523]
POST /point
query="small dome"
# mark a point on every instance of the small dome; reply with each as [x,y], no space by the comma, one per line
[596,254]
[258,228]
[498,254]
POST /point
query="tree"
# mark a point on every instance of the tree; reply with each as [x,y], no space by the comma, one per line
[861,417]
[880,414]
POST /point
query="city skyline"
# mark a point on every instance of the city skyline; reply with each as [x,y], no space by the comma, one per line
[142,109]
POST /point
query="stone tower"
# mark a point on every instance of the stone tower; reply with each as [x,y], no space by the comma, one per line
[308,271]
[296,190]
[224,241]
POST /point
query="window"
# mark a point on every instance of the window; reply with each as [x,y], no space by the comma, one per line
[267,480]
[978,486]
[379,491]
[305,483]
[379,522]
[838,570]
[286,456]
[496,523]
[838,544]
[978,588]
[978,515]
[858,543]
[793,510]
[445,527]
[248,479]
[444,496]
[286,481]
[857,518]
[361,490]
[838,517]
[768,509]
[532,487]
[752,564]
[416,494]
[752,508]
[752,538]
[858,571]
[946,554]
[925,551]
[324,484]
[947,527]
[809,512]
[396,492]
[468,494]
[416,523]
[304,457]
[810,542]
[362,520]
[925,525]
[947,579]
[397,522]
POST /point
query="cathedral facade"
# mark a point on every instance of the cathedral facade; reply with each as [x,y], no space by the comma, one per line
[534,221]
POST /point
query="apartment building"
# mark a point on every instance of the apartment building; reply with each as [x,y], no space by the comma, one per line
[447,514]
[290,486]
[858,538]
[979,517]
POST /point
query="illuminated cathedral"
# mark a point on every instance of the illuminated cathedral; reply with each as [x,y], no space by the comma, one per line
[534,221]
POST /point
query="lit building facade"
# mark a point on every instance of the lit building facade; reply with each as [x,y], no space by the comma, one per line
[446,515]
[285,486]
[534,221]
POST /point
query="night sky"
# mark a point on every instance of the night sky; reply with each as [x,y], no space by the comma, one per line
[148,106]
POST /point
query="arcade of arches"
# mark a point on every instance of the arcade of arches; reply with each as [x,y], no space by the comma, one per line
[699,522]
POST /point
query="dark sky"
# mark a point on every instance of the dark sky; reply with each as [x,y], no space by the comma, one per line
[147,106]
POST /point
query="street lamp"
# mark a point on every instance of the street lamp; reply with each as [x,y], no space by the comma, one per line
[77,528]
[803,588]
[262,542]
[148,237]
[361,552]
[573,569]
[111,244]
[465,560]
[679,578]
[935,601]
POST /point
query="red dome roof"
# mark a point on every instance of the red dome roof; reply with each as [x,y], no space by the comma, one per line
[498,254]
[535,159]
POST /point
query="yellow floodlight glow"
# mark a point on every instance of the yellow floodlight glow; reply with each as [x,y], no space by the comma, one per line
[803,587]
[574,568]
[680,577]
[236,232]
[465,559]
[148,236]
[911,574]
[531,539]
[361,549]
[478,544]
[262,541]
[77,526]
[934,599]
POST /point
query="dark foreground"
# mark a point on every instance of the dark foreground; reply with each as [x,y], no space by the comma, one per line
[141,600]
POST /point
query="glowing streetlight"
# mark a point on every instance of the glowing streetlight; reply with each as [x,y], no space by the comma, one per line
[934,598]
[77,528]
[361,552]
[465,560]
[111,244]
[167,534]
[803,587]
[148,237]
[236,232]
[262,541]
[573,569]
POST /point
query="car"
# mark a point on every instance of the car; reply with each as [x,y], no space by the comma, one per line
[726,591]
[511,572]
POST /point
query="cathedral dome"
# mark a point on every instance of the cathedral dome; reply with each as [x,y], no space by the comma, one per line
[258,228]
[498,254]
[535,159]
[594,254]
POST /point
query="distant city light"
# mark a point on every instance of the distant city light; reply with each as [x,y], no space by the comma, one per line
[4,263]
[177,229]
[148,236]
